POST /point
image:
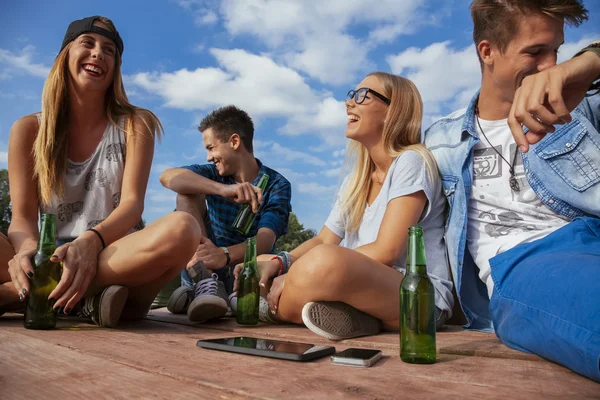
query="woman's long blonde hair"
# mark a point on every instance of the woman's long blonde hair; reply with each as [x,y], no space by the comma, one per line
[401,132]
[50,146]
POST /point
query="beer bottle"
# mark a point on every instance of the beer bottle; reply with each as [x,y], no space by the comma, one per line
[248,289]
[417,306]
[39,313]
[245,217]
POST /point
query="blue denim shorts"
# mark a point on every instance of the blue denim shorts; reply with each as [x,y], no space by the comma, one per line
[546,298]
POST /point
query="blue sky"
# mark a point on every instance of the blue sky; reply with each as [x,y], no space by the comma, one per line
[288,63]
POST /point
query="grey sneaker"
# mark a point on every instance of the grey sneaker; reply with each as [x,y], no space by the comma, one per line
[105,308]
[338,321]
[180,300]
[182,296]
[210,300]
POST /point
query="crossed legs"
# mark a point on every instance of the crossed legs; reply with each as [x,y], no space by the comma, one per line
[335,273]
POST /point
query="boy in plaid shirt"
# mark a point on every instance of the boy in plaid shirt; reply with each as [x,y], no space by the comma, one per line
[214,193]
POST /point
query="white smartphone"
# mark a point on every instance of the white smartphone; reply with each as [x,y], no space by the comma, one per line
[356,357]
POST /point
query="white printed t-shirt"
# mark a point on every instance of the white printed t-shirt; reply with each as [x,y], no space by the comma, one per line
[499,218]
[407,174]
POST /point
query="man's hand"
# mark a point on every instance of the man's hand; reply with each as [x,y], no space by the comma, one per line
[242,193]
[212,256]
[548,97]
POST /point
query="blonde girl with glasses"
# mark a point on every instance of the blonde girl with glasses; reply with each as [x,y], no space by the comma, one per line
[345,281]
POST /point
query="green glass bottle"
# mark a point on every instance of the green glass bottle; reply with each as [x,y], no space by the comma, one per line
[245,217]
[417,305]
[248,289]
[39,313]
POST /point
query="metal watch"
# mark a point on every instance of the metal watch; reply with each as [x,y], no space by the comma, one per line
[226,251]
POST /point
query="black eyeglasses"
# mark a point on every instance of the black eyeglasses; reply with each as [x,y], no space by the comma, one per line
[360,95]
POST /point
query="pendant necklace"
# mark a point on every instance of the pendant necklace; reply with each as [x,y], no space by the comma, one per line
[514,183]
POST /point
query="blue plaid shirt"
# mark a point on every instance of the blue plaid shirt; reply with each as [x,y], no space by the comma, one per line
[273,212]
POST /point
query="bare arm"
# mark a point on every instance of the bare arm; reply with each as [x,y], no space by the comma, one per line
[547,98]
[184,181]
[23,230]
[265,240]
[326,236]
[140,150]
[80,257]
[400,214]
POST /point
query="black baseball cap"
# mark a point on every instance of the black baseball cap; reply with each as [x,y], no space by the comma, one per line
[84,25]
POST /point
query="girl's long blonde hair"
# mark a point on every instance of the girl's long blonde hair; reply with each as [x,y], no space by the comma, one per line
[50,146]
[401,132]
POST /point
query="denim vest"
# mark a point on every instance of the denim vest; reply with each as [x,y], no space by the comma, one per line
[563,169]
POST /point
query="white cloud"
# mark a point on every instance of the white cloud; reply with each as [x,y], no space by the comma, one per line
[443,75]
[321,38]
[447,77]
[317,190]
[339,153]
[205,17]
[23,62]
[331,173]
[266,149]
[569,49]
[3,157]
[256,84]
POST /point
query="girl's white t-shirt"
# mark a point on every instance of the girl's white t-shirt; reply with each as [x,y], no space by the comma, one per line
[408,174]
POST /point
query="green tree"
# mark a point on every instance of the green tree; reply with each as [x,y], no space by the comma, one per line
[5,206]
[295,236]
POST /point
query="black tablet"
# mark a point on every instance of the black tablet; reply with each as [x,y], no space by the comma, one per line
[268,348]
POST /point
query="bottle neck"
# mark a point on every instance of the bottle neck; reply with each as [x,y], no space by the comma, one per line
[262,183]
[250,255]
[415,254]
[47,241]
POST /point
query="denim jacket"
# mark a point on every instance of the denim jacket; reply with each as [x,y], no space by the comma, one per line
[563,169]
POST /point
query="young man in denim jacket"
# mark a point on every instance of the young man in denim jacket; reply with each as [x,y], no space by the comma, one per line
[523,233]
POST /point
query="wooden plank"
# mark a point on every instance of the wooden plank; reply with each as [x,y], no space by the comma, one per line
[33,368]
[451,340]
[169,349]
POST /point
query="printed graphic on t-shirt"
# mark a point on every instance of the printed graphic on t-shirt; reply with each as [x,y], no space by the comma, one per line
[500,218]
[506,222]
[114,151]
[77,168]
[487,164]
[490,177]
[93,223]
[65,211]
[116,199]
[98,177]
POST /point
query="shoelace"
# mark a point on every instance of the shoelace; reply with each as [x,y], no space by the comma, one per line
[207,286]
[87,309]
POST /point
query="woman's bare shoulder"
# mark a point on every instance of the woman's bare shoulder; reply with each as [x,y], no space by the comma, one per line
[25,128]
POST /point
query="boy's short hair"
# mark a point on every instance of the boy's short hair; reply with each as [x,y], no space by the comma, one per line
[226,121]
[498,20]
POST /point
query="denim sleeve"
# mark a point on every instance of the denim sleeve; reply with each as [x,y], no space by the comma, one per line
[276,211]
[208,171]
[590,107]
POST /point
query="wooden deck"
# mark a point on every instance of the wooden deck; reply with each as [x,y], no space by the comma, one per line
[158,358]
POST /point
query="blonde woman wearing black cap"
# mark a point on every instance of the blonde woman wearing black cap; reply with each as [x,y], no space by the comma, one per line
[86,158]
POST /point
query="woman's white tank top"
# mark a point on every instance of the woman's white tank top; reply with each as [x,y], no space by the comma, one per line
[92,187]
